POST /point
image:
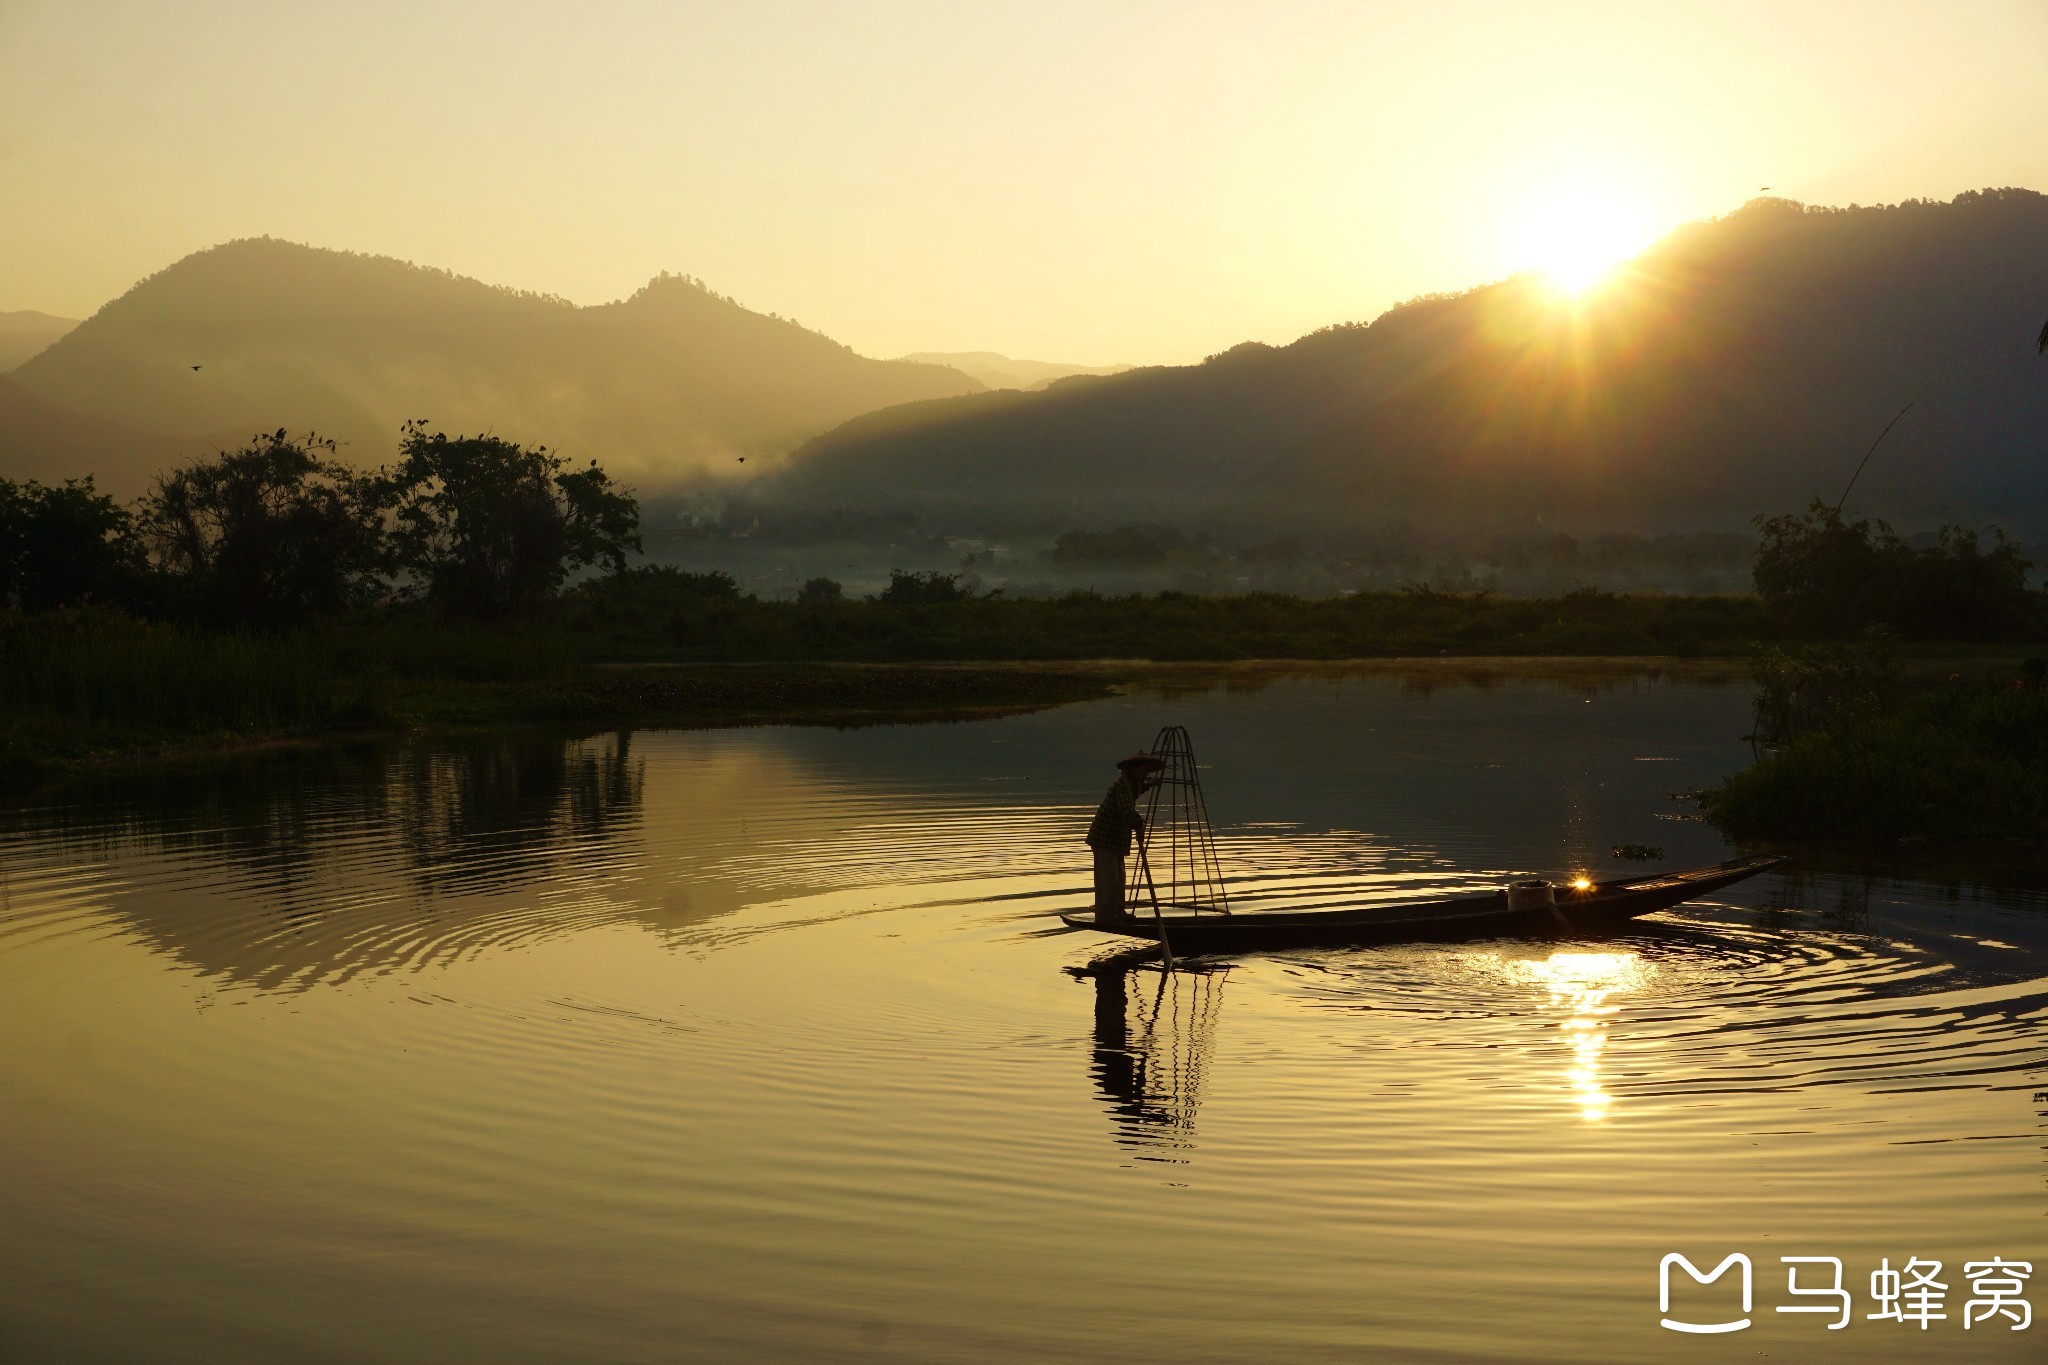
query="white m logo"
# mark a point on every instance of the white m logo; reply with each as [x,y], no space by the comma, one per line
[1664,1291]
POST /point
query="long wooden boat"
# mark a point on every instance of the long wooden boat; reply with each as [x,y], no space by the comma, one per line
[1592,908]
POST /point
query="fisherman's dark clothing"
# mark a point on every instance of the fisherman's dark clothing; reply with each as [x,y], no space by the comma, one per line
[1109,835]
[1115,819]
[1109,883]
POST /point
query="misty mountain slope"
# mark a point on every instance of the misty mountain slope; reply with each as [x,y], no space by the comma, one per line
[25,333]
[1149,441]
[40,440]
[1740,365]
[670,386]
[1007,372]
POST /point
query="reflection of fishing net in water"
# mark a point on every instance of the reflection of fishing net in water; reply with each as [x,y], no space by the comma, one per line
[1177,859]
[1154,1031]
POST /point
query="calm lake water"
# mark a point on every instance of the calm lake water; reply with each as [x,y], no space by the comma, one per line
[760,1044]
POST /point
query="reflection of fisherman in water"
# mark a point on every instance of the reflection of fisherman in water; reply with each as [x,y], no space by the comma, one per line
[1151,1043]
[1116,820]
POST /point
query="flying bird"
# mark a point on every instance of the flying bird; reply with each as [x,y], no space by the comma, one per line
[195,367]
[743,459]
[1763,189]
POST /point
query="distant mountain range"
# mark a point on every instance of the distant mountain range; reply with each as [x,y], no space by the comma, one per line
[25,333]
[1740,365]
[1005,372]
[674,386]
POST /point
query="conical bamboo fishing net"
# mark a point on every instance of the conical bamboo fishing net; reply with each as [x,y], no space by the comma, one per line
[1176,862]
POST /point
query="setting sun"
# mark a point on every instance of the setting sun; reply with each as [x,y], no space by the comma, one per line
[1576,238]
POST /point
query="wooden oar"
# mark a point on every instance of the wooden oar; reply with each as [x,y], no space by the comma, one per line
[1157,918]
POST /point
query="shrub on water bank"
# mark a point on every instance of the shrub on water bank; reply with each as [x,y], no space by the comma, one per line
[1800,687]
[1959,762]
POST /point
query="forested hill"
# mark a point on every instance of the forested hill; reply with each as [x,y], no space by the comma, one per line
[1740,365]
[668,387]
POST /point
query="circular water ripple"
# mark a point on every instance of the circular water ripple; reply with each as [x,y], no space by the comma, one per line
[1719,999]
[808,1032]
[1785,984]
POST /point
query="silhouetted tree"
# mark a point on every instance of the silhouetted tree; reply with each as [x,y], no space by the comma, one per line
[1825,575]
[818,591]
[919,589]
[492,528]
[67,545]
[270,535]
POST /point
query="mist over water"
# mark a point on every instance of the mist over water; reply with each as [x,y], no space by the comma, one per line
[765,1044]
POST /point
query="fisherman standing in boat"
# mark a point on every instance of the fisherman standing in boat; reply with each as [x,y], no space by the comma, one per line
[1116,820]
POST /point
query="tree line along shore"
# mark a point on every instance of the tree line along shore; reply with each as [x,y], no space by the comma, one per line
[274,591]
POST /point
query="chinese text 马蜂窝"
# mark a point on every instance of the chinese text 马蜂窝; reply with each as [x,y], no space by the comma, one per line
[1912,1294]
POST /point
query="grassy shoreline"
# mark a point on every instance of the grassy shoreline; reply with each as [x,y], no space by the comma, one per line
[701,696]
[36,741]
[94,686]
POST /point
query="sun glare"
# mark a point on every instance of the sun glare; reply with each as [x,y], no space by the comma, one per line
[1581,986]
[1576,238]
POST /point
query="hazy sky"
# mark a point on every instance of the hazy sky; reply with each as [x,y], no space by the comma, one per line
[1089,182]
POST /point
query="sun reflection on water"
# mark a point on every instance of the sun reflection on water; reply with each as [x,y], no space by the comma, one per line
[1585,986]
